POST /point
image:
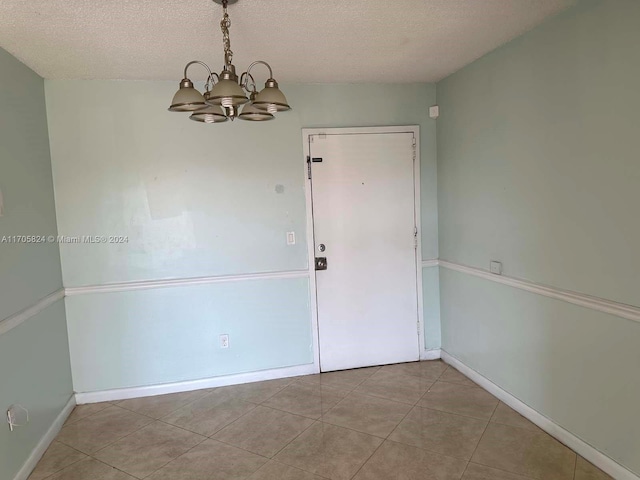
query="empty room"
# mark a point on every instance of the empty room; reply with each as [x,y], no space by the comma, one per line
[296,240]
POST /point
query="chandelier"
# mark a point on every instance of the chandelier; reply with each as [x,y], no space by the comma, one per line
[225,93]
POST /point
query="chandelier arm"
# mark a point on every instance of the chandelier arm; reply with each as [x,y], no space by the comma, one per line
[211,81]
[244,82]
[193,62]
[260,62]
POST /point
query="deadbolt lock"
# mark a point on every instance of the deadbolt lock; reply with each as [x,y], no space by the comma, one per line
[321,247]
[321,263]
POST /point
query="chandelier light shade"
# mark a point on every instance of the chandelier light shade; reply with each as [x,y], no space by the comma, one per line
[226,92]
[187,98]
[271,98]
[252,113]
[209,114]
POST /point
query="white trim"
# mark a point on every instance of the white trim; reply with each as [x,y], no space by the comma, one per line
[433,354]
[306,132]
[417,189]
[313,293]
[190,385]
[434,262]
[601,305]
[50,435]
[579,446]
[178,282]
[14,320]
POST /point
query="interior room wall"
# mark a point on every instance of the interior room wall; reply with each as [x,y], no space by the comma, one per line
[199,200]
[34,353]
[538,168]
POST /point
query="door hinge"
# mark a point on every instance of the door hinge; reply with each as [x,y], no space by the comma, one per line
[415,237]
[308,167]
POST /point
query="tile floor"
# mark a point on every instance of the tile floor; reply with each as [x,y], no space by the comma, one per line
[422,421]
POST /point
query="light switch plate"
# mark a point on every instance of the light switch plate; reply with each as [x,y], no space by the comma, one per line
[291,238]
[495,267]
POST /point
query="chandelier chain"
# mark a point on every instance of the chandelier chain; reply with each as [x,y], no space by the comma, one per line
[225,23]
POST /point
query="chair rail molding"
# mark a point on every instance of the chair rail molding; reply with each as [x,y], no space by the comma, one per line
[16,319]
[178,282]
[610,307]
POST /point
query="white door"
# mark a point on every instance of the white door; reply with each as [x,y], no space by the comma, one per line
[363,199]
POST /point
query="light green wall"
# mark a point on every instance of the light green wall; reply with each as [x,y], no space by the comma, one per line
[34,356]
[149,337]
[538,167]
[28,272]
[431,299]
[35,373]
[200,200]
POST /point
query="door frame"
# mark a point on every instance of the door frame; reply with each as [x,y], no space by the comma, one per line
[306,132]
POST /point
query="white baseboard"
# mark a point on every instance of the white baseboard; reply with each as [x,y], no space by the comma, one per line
[430,354]
[579,446]
[45,441]
[187,386]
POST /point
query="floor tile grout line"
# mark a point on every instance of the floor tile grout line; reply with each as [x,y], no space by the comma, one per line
[233,446]
[488,419]
[67,423]
[120,438]
[256,404]
[482,436]
[204,439]
[232,421]
[264,406]
[294,439]
[346,428]
[502,470]
[91,457]
[368,458]
[200,443]
[359,431]
[403,418]
[66,466]
[398,401]
[433,452]
[466,467]
[207,392]
[475,385]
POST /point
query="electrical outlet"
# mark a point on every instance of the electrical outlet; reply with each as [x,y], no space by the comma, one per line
[224,340]
[291,238]
[495,267]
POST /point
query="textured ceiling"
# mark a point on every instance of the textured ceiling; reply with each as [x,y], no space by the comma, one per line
[304,40]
